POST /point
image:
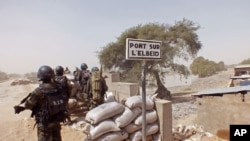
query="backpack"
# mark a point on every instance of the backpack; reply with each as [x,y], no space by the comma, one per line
[98,85]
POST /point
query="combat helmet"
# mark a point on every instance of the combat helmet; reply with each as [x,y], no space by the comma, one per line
[45,73]
[59,70]
[94,69]
[84,66]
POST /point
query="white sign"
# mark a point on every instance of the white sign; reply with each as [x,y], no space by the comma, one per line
[142,49]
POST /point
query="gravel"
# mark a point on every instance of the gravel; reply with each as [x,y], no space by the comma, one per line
[184,105]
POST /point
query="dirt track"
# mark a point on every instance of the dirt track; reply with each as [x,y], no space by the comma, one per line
[20,127]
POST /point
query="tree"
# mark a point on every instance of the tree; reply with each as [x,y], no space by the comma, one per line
[3,76]
[179,43]
[197,65]
[221,66]
[245,62]
[204,67]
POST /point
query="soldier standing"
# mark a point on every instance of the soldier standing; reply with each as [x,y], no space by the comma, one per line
[63,81]
[97,87]
[82,76]
[48,106]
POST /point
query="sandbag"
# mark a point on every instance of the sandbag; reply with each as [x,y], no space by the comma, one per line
[136,136]
[106,126]
[72,103]
[109,97]
[113,136]
[151,117]
[103,112]
[150,130]
[136,101]
[131,128]
[127,116]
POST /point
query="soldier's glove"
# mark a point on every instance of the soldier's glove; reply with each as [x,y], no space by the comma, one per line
[18,109]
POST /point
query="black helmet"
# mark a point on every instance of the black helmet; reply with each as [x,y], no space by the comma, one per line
[84,66]
[59,70]
[45,73]
[94,69]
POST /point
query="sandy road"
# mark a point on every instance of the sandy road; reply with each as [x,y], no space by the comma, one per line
[19,127]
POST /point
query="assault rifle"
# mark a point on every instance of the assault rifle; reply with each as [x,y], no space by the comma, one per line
[18,108]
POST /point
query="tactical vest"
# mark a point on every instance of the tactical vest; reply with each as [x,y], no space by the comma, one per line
[84,77]
[54,105]
[62,80]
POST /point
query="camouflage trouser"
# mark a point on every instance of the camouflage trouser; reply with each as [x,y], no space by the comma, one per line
[83,97]
[84,88]
[49,132]
[95,102]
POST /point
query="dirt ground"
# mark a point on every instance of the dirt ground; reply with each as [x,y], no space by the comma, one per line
[20,127]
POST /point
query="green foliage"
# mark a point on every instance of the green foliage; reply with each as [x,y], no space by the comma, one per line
[245,62]
[3,76]
[204,67]
[14,75]
[179,43]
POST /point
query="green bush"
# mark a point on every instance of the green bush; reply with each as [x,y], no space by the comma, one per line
[204,67]
[3,76]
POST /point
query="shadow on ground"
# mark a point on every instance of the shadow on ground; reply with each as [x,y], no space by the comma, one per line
[182,97]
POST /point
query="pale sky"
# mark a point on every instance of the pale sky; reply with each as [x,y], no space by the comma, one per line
[69,32]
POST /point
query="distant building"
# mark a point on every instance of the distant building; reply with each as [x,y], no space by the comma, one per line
[241,76]
[242,70]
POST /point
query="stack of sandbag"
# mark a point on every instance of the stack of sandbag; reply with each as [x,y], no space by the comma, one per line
[114,121]
[134,128]
[101,123]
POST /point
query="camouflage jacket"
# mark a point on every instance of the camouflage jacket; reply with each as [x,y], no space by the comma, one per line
[39,104]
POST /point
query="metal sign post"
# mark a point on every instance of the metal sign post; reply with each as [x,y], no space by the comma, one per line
[143,78]
[137,49]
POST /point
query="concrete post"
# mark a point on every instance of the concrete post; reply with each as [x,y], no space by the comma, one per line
[164,111]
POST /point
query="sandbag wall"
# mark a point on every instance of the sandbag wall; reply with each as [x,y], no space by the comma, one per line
[114,121]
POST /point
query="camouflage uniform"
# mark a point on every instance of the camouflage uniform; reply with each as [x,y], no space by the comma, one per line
[83,80]
[63,81]
[48,128]
[51,132]
[99,99]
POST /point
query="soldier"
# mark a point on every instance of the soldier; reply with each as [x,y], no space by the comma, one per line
[82,77]
[48,106]
[97,87]
[63,81]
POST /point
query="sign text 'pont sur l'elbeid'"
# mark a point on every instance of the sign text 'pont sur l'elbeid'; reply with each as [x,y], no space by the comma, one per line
[137,49]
